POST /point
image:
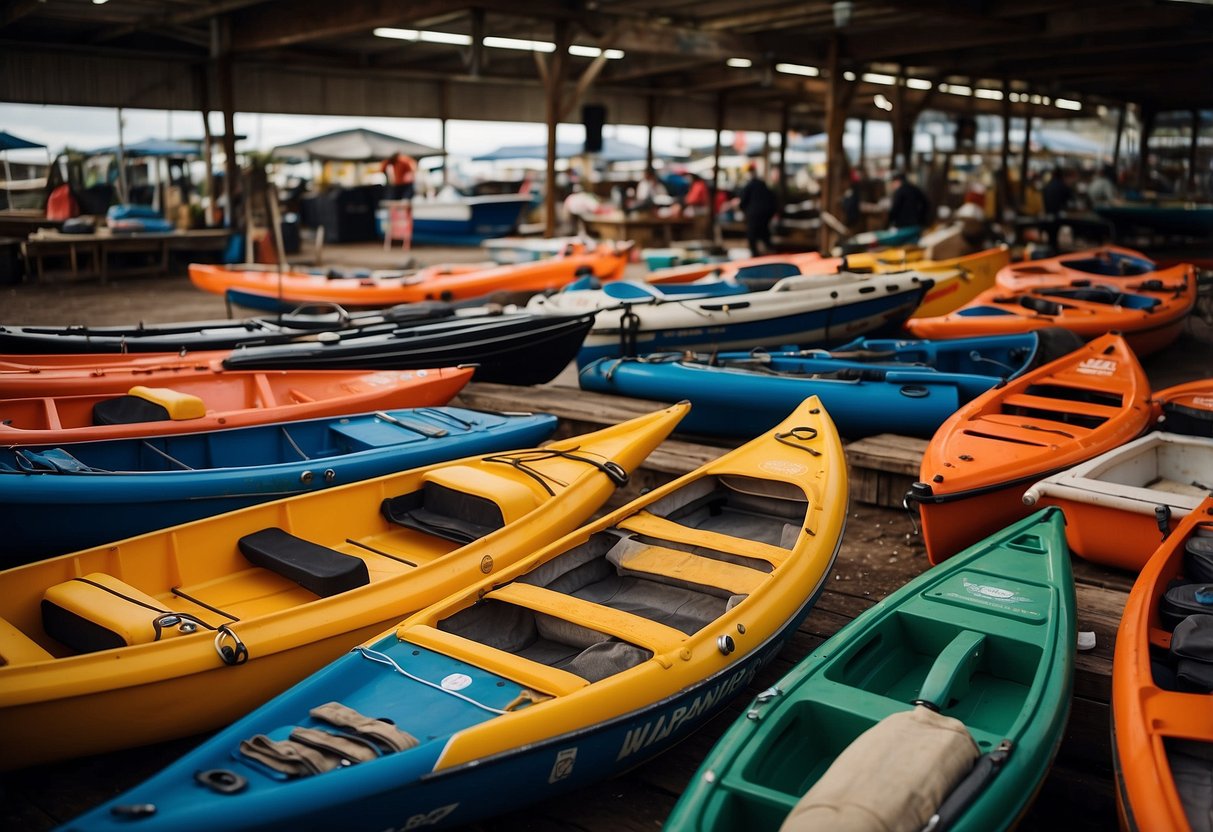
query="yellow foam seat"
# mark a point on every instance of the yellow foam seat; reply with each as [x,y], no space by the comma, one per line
[100,612]
[18,648]
[179,405]
[689,570]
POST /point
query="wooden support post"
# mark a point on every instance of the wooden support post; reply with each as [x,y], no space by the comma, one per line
[207,144]
[1148,113]
[650,119]
[476,56]
[838,98]
[863,144]
[1120,131]
[1027,154]
[1004,198]
[783,152]
[551,71]
[220,41]
[716,158]
[899,158]
[1191,187]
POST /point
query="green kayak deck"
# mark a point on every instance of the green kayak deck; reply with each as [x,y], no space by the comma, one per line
[988,636]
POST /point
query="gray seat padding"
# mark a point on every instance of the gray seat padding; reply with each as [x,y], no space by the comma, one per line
[444,512]
[319,569]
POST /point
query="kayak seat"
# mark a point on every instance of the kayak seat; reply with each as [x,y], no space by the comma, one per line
[459,503]
[148,404]
[18,648]
[100,612]
[685,569]
[650,524]
[893,776]
[316,568]
[1041,305]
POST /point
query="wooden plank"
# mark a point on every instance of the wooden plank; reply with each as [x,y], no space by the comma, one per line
[883,467]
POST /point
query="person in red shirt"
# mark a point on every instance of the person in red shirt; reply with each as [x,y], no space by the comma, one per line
[400,171]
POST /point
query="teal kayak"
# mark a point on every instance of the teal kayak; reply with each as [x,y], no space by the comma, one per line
[947,699]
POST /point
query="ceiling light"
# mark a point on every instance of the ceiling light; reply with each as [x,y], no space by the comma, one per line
[918,83]
[993,95]
[883,103]
[739,63]
[878,78]
[957,89]
[848,75]
[429,37]
[1067,104]
[842,13]
[594,52]
[523,45]
[797,69]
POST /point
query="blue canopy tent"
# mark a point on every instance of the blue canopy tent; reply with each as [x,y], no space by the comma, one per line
[149,147]
[357,145]
[10,142]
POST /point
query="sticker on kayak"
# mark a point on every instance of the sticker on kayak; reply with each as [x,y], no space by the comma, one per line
[1203,401]
[563,767]
[1096,367]
[782,467]
[456,681]
[995,595]
[996,592]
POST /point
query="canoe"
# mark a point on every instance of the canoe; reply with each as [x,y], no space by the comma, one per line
[442,282]
[1186,408]
[1120,505]
[960,679]
[809,311]
[510,348]
[596,653]
[122,403]
[118,488]
[1105,263]
[183,630]
[980,461]
[195,336]
[514,348]
[1150,313]
[1162,681]
[957,280]
[869,386]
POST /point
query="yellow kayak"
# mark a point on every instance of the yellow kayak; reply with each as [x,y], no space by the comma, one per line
[579,662]
[957,280]
[182,630]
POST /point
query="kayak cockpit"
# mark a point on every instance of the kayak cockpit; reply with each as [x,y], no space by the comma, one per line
[631,592]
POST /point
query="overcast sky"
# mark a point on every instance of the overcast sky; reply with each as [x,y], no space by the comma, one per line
[84,128]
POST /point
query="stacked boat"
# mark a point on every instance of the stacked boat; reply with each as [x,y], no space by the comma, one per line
[264,288]
[636,318]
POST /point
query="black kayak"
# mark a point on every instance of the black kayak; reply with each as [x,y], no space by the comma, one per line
[511,348]
[196,336]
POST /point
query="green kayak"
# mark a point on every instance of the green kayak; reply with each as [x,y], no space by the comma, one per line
[946,701]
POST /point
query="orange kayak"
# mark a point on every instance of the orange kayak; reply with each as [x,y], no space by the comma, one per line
[1149,312]
[1104,263]
[957,280]
[980,461]
[1162,738]
[442,282]
[151,403]
[1186,408]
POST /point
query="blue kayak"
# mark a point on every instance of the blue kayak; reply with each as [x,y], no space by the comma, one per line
[869,386]
[55,500]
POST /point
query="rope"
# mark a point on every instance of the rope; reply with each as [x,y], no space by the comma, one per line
[383,658]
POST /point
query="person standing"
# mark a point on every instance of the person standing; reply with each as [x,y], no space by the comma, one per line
[1103,189]
[1058,193]
[908,206]
[757,203]
[401,173]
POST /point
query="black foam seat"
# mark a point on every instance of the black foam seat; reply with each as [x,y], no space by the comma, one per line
[128,410]
[444,512]
[319,569]
[1198,559]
